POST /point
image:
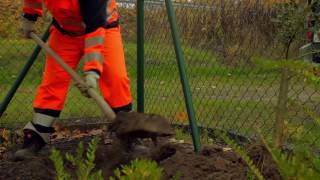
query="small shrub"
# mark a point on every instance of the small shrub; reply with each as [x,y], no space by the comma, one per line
[139,169]
[84,166]
[301,163]
[59,165]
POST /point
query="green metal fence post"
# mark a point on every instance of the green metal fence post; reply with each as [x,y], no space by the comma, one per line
[183,76]
[140,55]
[22,75]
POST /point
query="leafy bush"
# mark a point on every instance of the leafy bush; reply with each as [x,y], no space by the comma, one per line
[57,159]
[138,170]
[301,163]
[84,166]
[290,23]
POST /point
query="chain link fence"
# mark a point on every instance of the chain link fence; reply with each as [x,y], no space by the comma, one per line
[226,46]
[224,43]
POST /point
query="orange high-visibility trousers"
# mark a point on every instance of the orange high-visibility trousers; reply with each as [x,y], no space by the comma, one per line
[114,82]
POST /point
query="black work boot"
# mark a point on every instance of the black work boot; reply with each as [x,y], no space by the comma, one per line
[32,144]
[35,138]
[36,135]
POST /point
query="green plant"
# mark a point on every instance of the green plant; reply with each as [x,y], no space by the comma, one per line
[205,138]
[59,165]
[242,153]
[182,136]
[301,163]
[84,166]
[139,169]
[290,22]
[250,175]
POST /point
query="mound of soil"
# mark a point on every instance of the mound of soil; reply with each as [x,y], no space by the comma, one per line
[214,162]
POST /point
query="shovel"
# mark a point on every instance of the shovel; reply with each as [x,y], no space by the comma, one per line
[103,105]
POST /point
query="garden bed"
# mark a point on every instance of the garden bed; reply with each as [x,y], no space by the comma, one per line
[176,159]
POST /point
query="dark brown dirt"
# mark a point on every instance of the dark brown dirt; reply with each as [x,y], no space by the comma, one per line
[214,162]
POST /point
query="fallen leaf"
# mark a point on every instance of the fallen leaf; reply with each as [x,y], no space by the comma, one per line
[95,132]
[58,135]
[5,135]
[182,116]
[58,126]
[2,149]
[79,135]
[176,141]
[225,149]
[107,141]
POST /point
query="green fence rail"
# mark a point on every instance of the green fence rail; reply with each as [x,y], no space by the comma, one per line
[231,53]
[6,101]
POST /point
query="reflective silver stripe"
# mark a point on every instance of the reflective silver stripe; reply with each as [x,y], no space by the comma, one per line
[33,5]
[97,40]
[44,136]
[93,56]
[43,120]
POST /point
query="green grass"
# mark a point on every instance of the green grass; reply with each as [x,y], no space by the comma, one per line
[241,99]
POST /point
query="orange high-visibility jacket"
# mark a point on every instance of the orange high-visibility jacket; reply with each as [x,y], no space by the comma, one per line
[79,17]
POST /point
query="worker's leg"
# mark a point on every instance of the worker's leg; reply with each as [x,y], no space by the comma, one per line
[51,94]
[114,82]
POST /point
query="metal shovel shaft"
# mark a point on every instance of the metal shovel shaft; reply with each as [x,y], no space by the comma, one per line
[103,105]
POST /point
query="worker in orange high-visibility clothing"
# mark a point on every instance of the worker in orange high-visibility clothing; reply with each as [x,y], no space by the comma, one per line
[86,30]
